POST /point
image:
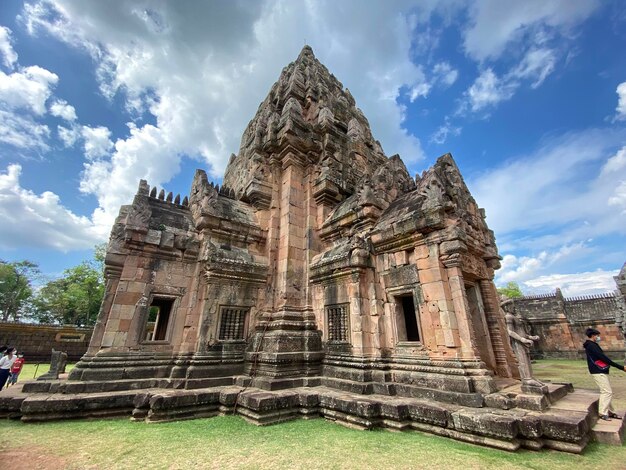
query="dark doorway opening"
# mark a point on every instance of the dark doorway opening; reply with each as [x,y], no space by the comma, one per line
[410,317]
[160,313]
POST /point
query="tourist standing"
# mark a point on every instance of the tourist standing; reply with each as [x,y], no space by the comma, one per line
[6,362]
[599,365]
[16,368]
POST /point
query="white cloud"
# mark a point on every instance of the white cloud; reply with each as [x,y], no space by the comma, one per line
[621,101]
[68,135]
[419,90]
[533,33]
[28,89]
[23,132]
[28,219]
[445,74]
[535,274]
[498,26]
[9,56]
[144,144]
[522,268]
[202,69]
[536,65]
[564,185]
[615,164]
[575,284]
[619,197]
[488,90]
[554,204]
[441,135]
[23,98]
[60,108]
[97,141]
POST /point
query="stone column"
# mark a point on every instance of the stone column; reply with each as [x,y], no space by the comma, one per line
[461,309]
[95,343]
[290,270]
[357,318]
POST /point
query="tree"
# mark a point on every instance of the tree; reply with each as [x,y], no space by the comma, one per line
[99,253]
[73,299]
[512,290]
[16,287]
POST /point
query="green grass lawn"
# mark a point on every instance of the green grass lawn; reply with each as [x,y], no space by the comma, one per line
[230,442]
[576,372]
[32,371]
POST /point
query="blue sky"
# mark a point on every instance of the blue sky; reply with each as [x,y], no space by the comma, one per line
[529,97]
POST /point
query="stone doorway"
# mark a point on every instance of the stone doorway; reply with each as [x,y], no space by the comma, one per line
[406,319]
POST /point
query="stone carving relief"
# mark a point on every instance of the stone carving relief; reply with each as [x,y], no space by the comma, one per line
[203,198]
[359,251]
[433,192]
[521,342]
[140,213]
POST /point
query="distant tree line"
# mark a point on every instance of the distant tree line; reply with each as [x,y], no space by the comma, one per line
[72,299]
[511,290]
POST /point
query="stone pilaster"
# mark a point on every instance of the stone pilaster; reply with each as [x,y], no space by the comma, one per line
[287,345]
[439,309]
[103,314]
[467,338]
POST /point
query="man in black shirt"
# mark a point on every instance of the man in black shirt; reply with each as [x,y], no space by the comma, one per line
[599,365]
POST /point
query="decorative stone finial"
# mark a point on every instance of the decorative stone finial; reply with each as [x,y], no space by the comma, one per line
[143,189]
[306,51]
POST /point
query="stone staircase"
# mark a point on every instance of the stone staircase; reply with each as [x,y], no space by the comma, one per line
[568,423]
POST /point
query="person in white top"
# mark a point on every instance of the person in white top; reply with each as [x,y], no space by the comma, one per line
[6,362]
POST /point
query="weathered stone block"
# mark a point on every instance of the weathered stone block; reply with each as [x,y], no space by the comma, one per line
[429,413]
[486,424]
[564,427]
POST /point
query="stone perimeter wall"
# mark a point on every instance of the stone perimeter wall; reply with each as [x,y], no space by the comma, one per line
[561,322]
[37,341]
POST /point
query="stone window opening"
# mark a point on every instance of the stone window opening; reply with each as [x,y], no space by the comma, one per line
[337,323]
[232,325]
[159,315]
[406,316]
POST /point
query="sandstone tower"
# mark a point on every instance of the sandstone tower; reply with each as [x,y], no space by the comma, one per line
[319,260]
[319,274]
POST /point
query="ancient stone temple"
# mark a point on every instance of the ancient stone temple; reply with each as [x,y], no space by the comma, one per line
[319,279]
[319,259]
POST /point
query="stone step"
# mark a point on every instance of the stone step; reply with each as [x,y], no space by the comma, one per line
[579,400]
[566,427]
[609,432]
[557,391]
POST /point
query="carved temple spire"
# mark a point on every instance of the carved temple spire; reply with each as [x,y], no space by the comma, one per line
[308,110]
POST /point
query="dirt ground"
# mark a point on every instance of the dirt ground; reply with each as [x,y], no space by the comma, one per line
[31,458]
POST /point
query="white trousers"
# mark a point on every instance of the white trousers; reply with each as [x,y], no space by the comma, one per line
[606,393]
